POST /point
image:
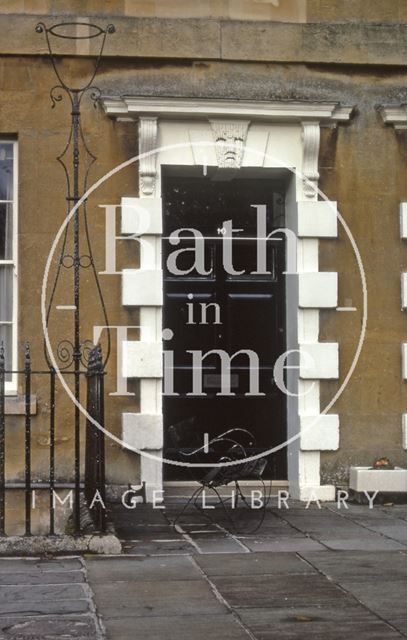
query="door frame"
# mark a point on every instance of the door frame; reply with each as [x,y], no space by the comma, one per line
[276,135]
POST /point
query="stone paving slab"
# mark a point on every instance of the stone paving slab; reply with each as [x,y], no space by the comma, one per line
[345,533]
[325,518]
[49,628]
[155,598]
[142,568]
[218,545]
[399,509]
[149,530]
[283,530]
[297,508]
[129,533]
[46,599]
[272,591]
[363,543]
[23,593]
[295,587]
[387,598]
[40,572]
[316,623]
[275,531]
[20,565]
[314,524]
[253,564]
[32,577]
[187,627]
[207,534]
[397,532]
[158,547]
[283,544]
[43,607]
[358,565]
[373,519]
[400,623]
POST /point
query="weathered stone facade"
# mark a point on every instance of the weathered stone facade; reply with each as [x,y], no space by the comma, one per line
[352,53]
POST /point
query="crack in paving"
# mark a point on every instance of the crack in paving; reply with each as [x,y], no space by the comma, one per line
[223,601]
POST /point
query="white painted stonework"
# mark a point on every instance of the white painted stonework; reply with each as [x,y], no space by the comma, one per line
[143,431]
[371,480]
[203,108]
[320,433]
[142,216]
[403,235]
[403,290]
[319,360]
[395,115]
[404,430]
[310,137]
[274,135]
[142,287]
[318,290]
[317,219]
[403,220]
[142,360]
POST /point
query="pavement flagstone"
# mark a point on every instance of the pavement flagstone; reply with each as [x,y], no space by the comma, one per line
[305,575]
[47,599]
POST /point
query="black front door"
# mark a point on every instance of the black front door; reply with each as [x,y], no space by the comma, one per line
[217,296]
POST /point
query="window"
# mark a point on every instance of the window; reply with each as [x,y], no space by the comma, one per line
[8,256]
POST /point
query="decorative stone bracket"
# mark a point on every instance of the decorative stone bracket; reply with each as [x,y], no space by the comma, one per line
[148,131]
[311,138]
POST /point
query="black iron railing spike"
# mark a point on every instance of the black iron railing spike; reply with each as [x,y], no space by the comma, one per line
[27,355]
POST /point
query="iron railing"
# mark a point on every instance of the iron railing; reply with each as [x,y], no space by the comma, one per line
[95,440]
[89,486]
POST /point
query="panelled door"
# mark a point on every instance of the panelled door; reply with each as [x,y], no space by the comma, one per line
[220,295]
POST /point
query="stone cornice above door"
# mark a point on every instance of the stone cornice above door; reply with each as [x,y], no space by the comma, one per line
[229,121]
[132,107]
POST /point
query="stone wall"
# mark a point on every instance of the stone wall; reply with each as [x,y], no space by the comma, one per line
[362,165]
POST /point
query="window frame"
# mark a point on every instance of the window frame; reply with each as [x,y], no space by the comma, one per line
[11,385]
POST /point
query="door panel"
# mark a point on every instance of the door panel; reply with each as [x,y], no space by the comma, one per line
[250,311]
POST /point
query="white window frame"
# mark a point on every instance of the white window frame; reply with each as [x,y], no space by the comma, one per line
[11,385]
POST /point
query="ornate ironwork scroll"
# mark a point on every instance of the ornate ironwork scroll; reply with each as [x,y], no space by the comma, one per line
[75,352]
[76,160]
